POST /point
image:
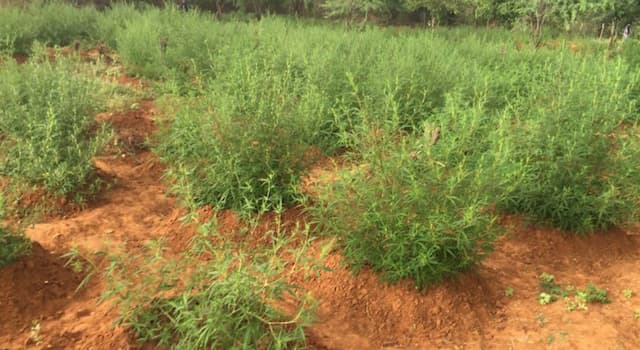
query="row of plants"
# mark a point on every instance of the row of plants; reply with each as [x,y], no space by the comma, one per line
[441,133]
[539,133]
[48,137]
[534,132]
[49,133]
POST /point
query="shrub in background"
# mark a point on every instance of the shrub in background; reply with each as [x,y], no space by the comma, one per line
[53,23]
[247,162]
[571,159]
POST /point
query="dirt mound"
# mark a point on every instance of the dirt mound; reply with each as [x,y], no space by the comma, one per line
[132,127]
[33,289]
[474,311]
[360,311]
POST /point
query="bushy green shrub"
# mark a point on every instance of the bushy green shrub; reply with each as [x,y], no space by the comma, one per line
[168,43]
[49,134]
[572,160]
[53,23]
[110,22]
[414,206]
[245,161]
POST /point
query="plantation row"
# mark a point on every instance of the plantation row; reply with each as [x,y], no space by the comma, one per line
[439,133]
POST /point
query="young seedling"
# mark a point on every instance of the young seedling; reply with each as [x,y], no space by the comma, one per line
[563,335]
[80,263]
[545,298]
[508,292]
[637,314]
[549,286]
[546,279]
[628,293]
[594,294]
[34,332]
[579,302]
[550,338]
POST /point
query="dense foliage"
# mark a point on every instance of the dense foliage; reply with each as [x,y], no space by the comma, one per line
[437,132]
[585,16]
[49,134]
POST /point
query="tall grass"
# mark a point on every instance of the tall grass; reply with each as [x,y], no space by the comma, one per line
[49,134]
[213,297]
[50,22]
[534,132]
[13,245]
[546,133]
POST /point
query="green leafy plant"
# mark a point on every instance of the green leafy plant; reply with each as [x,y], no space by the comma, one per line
[569,166]
[544,298]
[581,297]
[211,297]
[593,294]
[628,293]
[12,246]
[548,284]
[579,302]
[49,134]
[508,292]
[411,207]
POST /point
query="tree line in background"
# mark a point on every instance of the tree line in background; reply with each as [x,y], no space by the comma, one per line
[595,17]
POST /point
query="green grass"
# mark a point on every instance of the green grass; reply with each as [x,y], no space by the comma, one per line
[49,134]
[214,297]
[51,22]
[549,134]
[12,246]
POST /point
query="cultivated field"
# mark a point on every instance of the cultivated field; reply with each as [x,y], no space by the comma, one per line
[171,180]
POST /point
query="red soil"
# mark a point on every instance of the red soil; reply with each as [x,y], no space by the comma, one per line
[355,311]
[473,312]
